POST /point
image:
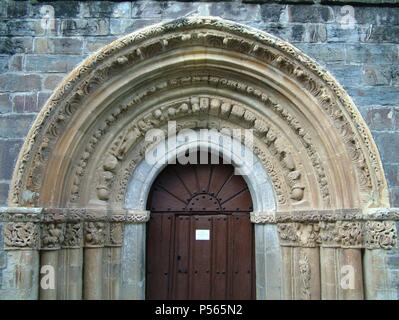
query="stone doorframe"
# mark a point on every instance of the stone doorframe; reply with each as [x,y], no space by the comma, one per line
[69,198]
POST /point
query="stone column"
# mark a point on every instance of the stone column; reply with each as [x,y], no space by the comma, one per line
[380,236]
[70,284]
[268,263]
[301,260]
[95,233]
[21,257]
[133,255]
[341,261]
[112,262]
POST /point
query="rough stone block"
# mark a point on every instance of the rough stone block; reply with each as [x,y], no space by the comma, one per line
[380,34]
[4,63]
[276,29]
[5,103]
[368,95]
[51,81]
[387,143]
[25,103]
[236,11]
[338,33]
[371,53]
[58,45]
[392,174]
[9,150]
[172,10]
[76,27]
[51,63]
[17,9]
[15,125]
[396,118]
[105,9]
[28,27]
[124,26]
[4,187]
[345,74]
[272,12]
[62,9]
[375,75]
[19,82]
[310,14]
[324,53]
[316,33]
[92,44]
[380,119]
[16,63]
[147,9]
[13,45]
[42,98]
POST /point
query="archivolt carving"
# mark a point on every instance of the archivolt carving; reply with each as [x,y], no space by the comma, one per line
[211,106]
[185,34]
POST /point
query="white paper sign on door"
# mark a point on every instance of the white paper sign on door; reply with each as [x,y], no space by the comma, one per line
[202,234]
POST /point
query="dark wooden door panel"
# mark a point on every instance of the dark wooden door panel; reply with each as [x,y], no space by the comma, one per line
[187,199]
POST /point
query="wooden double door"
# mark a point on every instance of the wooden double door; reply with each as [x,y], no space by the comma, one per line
[200,241]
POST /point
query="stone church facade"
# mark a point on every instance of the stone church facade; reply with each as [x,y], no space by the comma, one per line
[84,82]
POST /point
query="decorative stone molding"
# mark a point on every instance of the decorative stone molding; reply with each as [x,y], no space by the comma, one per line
[55,228]
[21,235]
[327,102]
[52,236]
[339,234]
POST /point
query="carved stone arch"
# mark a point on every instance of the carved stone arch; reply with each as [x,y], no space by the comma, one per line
[202,72]
[274,69]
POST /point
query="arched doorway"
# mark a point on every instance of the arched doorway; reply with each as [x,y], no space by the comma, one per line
[84,159]
[200,240]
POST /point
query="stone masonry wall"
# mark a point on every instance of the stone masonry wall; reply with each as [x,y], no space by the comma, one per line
[35,55]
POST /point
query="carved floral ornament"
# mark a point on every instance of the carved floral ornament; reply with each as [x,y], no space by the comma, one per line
[115,124]
[52,229]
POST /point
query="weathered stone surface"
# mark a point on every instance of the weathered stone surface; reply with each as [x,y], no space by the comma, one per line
[314,13]
[388,142]
[25,103]
[380,119]
[62,9]
[392,174]
[381,34]
[76,27]
[236,11]
[4,187]
[92,44]
[16,62]
[58,45]
[17,9]
[396,118]
[52,80]
[51,63]
[28,27]
[332,53]
[19,82]
[15,125]
[4,63]
[371,53]
[123,26]
[12,45]
[272,12]
[9,150]
[364,96]
[5,103]
[105,9]
[42,97]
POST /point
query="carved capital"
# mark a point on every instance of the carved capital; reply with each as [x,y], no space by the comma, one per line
[73,236]
[52,236]
[380,234]
[21,235]
[95,234]
[115,235]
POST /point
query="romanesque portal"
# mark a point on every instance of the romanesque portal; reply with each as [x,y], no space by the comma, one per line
[80,188]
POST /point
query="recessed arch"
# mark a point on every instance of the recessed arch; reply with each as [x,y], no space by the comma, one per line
[84,156]
[275,72]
